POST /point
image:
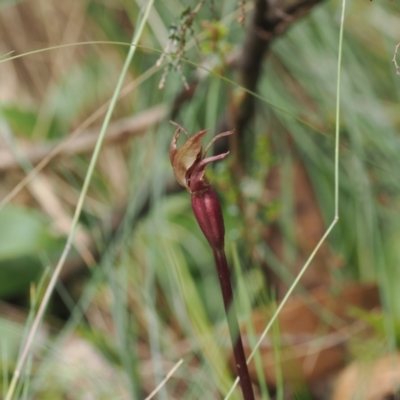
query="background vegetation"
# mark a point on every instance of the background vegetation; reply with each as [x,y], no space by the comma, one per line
[138,291]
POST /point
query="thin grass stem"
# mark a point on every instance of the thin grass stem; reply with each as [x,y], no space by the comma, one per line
[164,381]
[50,288]
[337,118]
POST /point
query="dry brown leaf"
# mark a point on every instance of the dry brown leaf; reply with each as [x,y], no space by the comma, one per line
[374,380]
[313,333]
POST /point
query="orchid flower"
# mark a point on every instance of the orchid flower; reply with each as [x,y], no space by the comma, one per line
[189,163]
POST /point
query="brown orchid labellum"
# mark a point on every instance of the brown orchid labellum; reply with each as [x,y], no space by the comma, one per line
[189,163]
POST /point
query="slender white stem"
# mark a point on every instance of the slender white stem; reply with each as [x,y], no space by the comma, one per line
[164,381]
[394,60]
[336,216]
[337,121]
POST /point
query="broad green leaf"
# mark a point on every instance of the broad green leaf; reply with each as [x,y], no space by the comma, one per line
[25,243]
[23,120]
[22,232]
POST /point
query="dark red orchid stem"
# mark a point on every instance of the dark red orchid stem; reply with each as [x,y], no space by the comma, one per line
[208,213]
[233,325]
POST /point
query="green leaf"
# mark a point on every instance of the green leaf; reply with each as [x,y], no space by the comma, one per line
[23,232]
[23,120]
[25,240]
[16,275]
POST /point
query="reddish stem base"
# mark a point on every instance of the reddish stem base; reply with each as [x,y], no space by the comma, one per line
[233,325]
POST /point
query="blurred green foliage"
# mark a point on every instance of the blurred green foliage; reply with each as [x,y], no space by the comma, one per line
[27,241]
[153,297]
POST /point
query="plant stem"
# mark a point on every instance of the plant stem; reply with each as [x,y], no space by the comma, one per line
[233,325]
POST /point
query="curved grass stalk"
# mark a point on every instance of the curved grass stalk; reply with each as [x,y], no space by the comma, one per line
[50,288]
[127,90]
[65,45]
[336,208]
